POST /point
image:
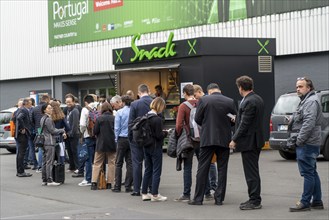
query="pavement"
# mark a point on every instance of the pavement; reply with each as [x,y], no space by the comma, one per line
[25,198]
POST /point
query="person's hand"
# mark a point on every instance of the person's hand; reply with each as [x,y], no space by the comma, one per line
[64,135]
[232,145]
[23,131]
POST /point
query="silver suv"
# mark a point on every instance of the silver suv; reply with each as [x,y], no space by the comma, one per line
[282,111]
[6,140]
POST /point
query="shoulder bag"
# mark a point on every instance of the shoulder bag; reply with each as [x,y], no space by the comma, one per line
[39,140]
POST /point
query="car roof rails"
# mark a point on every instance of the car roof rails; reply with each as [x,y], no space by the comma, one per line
[322,90]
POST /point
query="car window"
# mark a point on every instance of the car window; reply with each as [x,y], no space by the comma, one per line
[325,103]
[286,105]
[5,117]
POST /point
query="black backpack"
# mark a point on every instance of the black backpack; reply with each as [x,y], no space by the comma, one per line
[142,132]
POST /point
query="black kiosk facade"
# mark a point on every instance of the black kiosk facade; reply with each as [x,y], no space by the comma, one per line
[198,61]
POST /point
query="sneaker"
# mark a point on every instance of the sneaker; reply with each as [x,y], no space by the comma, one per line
[299,207]
[84,183]
[39,170]
[183,198]
[76,171]
[208,197]
[53,184]
[146,197]
[158,198]
[317,205]
[44,184]
[250,206]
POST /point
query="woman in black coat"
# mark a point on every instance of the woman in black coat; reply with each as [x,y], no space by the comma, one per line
[105,146]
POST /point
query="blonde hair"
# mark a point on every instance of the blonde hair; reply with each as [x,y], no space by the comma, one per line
[197,88]
[158,104]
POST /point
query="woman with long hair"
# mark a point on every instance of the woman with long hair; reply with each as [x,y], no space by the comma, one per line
[59,119]
[49,131]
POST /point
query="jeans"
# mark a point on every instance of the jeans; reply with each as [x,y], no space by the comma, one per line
[137,157]
[153,169]
[306,158]
[123,153]
[40,153]
[30,152]
[22,145]
[187,171]
[91,143]
[212,182]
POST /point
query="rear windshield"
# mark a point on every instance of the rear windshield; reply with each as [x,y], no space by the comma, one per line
[5,117]
[286,105]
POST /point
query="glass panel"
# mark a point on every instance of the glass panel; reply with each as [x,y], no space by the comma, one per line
[83,93]
[5,117]
[325,103]
[286,105]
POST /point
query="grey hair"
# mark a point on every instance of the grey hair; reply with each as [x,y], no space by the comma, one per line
[116,99]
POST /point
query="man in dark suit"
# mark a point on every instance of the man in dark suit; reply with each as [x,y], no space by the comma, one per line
[138,108]
[249,139]
[211,115]
[22,134]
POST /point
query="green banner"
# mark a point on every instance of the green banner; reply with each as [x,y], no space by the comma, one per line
[77,21]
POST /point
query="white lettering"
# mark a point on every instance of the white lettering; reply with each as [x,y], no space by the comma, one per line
[76,9]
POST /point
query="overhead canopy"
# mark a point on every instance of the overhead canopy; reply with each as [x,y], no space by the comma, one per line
[148,68]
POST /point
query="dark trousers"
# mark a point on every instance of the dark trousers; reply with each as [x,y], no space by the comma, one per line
[123,154]
[72,148]
[206,154]
[153,169]
[22,143]
[251,172]
[137,157]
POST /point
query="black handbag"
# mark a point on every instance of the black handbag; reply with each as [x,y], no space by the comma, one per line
[39,140]
[172,145]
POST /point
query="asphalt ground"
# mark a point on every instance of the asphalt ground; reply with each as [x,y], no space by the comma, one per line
[25,198]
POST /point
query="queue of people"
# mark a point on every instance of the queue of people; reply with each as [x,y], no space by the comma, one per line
[222,128]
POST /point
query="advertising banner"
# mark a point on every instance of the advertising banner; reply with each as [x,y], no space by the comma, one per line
[77,21]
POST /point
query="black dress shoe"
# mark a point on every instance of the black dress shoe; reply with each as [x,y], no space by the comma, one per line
[194,203]
[117,190]
[135,194]
[218,202]
[108,186]
[299,207]
[317,205]
[23,174]
[75,175]
[93,186]
[128,190]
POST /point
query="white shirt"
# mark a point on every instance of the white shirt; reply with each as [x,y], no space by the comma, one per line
[84,119]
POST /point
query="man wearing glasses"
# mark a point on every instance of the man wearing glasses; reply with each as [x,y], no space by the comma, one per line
[306,124]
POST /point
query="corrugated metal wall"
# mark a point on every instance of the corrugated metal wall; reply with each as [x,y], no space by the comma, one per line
[25,52]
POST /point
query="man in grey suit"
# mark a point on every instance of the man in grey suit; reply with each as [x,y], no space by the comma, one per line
[211,115]
[249,139]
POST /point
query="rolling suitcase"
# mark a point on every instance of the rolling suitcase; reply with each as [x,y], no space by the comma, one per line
[59,173]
